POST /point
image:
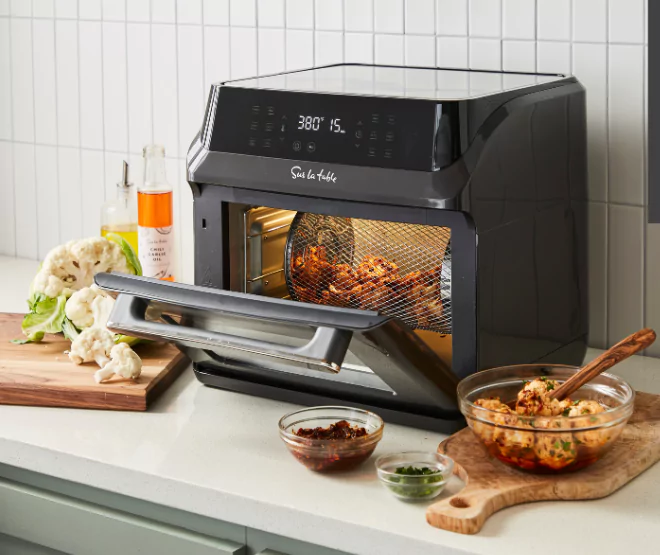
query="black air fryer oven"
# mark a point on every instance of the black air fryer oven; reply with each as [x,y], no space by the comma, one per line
[369,235]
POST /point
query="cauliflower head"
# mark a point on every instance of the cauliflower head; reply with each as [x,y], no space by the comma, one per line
[92,345]
[72,266]
[82,305]
[123,362]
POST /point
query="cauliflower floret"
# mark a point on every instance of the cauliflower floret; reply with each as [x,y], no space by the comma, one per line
[586,409]
[93,344]
[124,362]
[72,266]
[80,307]
[555,450]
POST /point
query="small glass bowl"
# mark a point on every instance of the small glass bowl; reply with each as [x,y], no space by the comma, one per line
[414,488]
[545,444]
[331,455]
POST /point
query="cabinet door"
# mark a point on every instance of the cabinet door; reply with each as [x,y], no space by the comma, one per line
[263,543]
[80,528]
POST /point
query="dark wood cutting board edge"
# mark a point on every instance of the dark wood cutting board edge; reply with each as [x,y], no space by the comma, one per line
[492,486]
[41,375]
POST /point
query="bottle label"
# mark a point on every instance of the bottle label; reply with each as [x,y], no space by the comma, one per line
[156,251]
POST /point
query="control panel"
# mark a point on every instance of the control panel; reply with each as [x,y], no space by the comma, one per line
[364,131]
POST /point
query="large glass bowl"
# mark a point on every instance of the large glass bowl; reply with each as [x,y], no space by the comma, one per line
[545,444]
[327,455]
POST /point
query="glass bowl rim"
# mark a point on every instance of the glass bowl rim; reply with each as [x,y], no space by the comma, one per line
[623,408]
[369,438]
[447,461]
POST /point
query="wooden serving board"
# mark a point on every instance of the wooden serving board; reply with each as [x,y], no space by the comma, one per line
[40,374]
[491,485]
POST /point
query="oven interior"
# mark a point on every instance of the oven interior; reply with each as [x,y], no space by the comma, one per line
[397,269]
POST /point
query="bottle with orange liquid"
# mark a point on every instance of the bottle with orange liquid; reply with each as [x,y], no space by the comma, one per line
[155,223]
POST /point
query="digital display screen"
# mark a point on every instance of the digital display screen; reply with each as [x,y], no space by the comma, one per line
[316,123]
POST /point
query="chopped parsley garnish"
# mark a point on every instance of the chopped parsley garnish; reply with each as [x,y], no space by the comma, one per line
[415,482]
[585,411]
[593,419]
[566,412]
[565,445]
[549,386]
[556,445]
[576,402]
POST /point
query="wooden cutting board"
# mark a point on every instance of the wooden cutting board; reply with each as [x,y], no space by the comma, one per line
[491,485]
[40,374]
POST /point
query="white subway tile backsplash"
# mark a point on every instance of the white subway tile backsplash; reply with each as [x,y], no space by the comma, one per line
[299,49]
[216,56]
[25,201]
[358,15]
[420,17]
[329,48]
[243,12]
[20,8]
[451,17]
[388,17]
[115,101]
[5,84]
[243,48]
[137,11]
[163,11]
[68,103]
[191,85]
[113,163]
[138,53]
[4,10]
[625,276]
[485,18]
[270,13]
[597,261]
[164,87]
[189,11]
[452,52]
[590,67]
[519,19]
[419,51]
[43,8]
[271,51]
[114,10]
[626,21]
[300,14]
[21,79]
[48,199]
[554,19]
[45,96]
[329,15]
[92,9]
[70,191]
[626,124]
[92,179]
[7,206]
[67,9]
[553,57]
[91,84]
[518,55]
[590,20]
[216,12]
[359,48]
[389,49]
[485,54]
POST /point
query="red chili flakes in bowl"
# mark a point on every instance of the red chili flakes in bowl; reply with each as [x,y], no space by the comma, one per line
[338,430]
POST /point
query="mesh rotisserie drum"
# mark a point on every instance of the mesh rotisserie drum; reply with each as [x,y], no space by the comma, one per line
[398,269]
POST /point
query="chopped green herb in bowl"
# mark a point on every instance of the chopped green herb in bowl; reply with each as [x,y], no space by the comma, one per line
[414,476]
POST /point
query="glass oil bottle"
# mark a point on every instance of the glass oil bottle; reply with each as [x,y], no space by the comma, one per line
[155,221]
[120,215]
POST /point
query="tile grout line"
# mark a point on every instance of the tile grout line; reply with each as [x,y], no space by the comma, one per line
[151,73]
[13,130]
[34,131]
[608,285]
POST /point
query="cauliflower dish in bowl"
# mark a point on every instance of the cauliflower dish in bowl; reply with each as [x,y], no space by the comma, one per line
[512,411]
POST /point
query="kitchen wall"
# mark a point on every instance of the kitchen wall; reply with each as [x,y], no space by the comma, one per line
[85,84]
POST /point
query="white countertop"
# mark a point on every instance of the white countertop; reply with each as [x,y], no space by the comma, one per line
[218,454]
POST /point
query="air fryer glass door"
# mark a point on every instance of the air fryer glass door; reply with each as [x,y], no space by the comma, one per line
[327,350]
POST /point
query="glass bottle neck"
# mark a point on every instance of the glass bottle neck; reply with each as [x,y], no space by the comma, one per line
[154,174]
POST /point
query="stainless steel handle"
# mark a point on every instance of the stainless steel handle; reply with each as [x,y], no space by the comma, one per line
[325,351]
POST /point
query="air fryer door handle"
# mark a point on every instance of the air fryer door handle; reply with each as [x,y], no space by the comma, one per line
[325,351]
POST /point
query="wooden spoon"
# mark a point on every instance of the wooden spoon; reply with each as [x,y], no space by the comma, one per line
[621,351]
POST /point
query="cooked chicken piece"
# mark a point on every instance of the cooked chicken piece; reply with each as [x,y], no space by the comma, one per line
[345,277]
[312,270]
[373,267]
[428,313]
[335,296]
[534,399]
[555,450]
[375,295]
[586,409]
